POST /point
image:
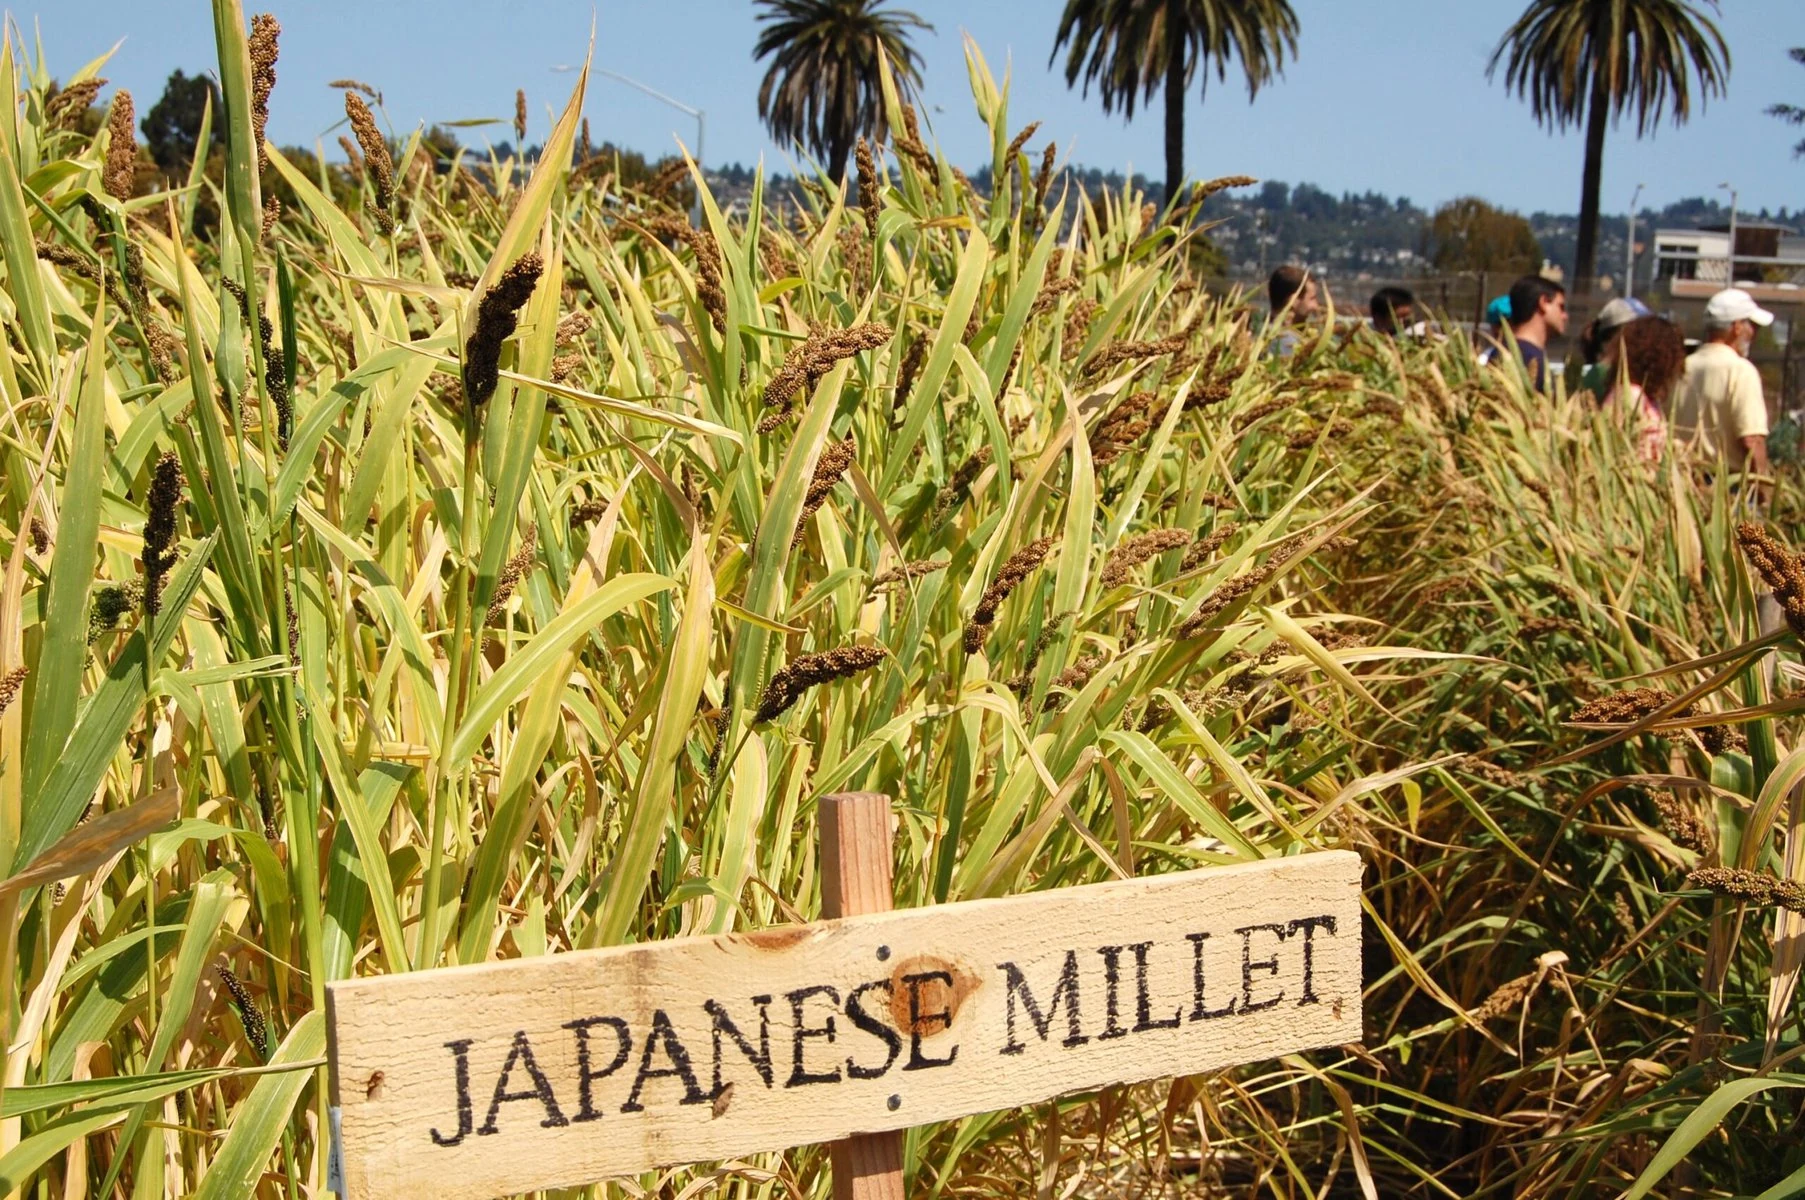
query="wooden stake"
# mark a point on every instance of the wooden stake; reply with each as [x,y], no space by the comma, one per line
[856,879]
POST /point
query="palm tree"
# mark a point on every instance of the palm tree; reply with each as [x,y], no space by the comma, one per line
[823,88]
[1131,48]
[1792,114]
[1594,60]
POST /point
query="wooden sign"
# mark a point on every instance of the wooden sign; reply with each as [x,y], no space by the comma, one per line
[548,1072]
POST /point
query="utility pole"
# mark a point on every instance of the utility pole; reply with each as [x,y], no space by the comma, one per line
[1730,280]
[1629,252]
[695,214]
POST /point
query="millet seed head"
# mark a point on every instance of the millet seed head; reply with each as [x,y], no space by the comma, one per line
[119,177]
[787,686]
[1016,568]
[497,315]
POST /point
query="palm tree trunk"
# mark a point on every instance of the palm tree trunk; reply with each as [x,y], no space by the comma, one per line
[1175,110]
[1586,255]
[836,160]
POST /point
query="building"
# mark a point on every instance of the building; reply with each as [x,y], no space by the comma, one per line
[1693,263]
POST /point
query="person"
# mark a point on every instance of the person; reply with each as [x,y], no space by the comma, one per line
[1538,311]
[1595,340]
[1489,333]
[1719,404]
[1292,294]
[1643,362]
[1393,310]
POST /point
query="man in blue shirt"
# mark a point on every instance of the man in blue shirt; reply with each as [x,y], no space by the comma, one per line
[1538,311]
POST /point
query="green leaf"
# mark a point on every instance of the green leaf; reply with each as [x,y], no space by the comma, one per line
[1181,791]
[685,666]
[925,399]
[1700,1123]
[22,1161]
[108,716]
[57,679]
[24,280]
[524,665]
[264,1114]
[245,199]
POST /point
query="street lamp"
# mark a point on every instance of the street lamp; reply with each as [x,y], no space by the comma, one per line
[1629,251]
[1731,281]
[695,213]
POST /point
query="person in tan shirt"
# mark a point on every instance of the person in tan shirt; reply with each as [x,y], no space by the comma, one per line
[1719,404]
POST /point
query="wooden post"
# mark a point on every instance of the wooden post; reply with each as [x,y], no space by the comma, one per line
[856,879]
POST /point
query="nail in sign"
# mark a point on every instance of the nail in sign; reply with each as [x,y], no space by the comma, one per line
[547,1072]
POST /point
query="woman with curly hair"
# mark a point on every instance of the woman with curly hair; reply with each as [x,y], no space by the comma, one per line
[1643,363]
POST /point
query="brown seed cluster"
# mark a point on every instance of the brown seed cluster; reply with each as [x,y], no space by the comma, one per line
[868,197]
[1203,548]
[1225,595]
[1536,628]
[809,670]
[10,683]
[1624,708]
[379,168]
[520,120]
[1721,739]
[1043,178]
[1263,410]
[895,577]
[803,367]
[1441,589]
[905,375]
[908,142]
[666,180]
[1203,191]
[587,511]
[265,30]
[1018,141]
[64,109]
[1750,887]
[835,458]
[572,327]
[1490,771]
[275,373]
[1339,639]
[40,536]
[294,624]
[1121,352]
[119,176]
[1682,823]
[165,498]
[111,602]
[1779,568]
[497,315]
[959,485]
[1118,568]
[1077,325]
[1016,568]
[710,277]
[518,567]
[1507,997]
[1206,703]
[255,1032]
[1309,436]
[1074,677]
[1047,299]
[1121,427]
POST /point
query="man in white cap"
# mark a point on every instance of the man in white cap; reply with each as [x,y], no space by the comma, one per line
[1719,402]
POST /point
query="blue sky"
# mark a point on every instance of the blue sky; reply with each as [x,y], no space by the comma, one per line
[1389,96]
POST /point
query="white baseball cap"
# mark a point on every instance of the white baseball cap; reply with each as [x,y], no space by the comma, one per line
[1734,304]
